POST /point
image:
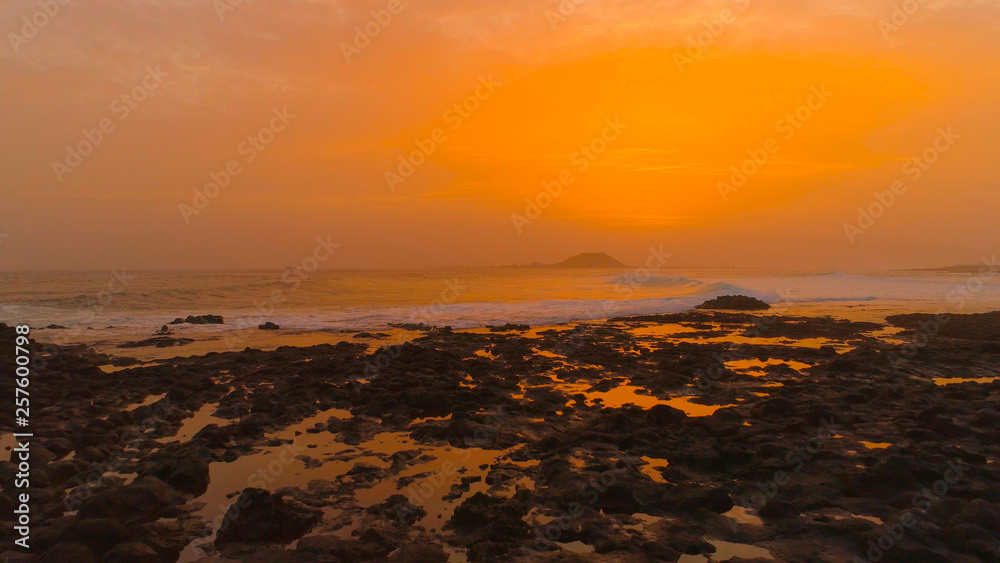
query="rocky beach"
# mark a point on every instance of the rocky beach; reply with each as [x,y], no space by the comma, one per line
[697,436]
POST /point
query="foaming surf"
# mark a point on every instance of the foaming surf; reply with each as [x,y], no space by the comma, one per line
[372,300]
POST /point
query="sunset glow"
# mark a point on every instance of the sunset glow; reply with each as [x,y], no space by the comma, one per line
[697,84]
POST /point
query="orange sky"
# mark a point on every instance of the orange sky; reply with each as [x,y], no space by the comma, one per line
[557,81]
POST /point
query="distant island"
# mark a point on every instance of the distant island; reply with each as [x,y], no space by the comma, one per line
[582,260]
[959,269]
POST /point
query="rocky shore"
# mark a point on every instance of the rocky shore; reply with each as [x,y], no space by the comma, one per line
[693,437]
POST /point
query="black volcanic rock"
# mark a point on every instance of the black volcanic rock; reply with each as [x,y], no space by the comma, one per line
[132,552]
[76,552]
[735,303]
[268,326]
[665,415]
[147,498]
[508,328]
[787,445]
[158,342]
[199,320]
[258,516]
[978,326]
[188,473]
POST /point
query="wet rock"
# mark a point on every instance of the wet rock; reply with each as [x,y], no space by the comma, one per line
[927,425]
[361,468]
[490,518]
[98,534]
[779,406]
[509,327]
[68,552]
[412,326]
[386,535]
[258,516]
[779,509]
[419,552]
[213,436]
[735,303]
[981,512]
[978,326]
[268,326]
[476,511]
[198,320]
[158,342]
[372,335]
[398,507]
[188,474]
[60,446]
[145,499]
[132,552]
[665,415]
[246,553]
[330,548]
[167,538]
[715,499]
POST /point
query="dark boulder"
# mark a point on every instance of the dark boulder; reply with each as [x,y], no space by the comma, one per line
[98,534]
[199,320]
[67,552]
[331,549]
[715,499]
[157,342]
[398,508]
[258,516]
[188,474]
[735,303]
[145,499]
[665,415]
[132,552]
[420,552]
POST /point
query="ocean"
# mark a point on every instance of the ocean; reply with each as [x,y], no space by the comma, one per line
[138,302]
